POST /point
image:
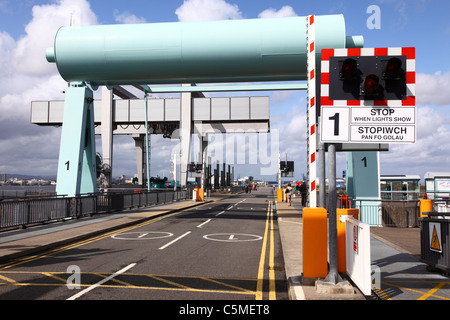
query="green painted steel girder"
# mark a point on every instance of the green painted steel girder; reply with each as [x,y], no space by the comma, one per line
[250,50]
[229,88]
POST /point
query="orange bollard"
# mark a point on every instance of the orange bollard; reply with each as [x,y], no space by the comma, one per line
[280,194]
[201,194]
[315,261]
[425,206]
[342,264]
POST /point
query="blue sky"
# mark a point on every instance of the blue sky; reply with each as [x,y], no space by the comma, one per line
[28,27]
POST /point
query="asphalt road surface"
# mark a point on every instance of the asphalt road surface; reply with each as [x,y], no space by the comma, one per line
[227,250]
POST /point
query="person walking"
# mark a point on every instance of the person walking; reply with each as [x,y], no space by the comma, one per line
[288,192]
[303,192]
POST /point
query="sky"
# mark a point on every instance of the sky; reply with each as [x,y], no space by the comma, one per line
[28,28]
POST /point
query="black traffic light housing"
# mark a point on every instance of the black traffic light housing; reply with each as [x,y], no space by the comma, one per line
[192,167]
[287,168]
[195,167]
[367,78]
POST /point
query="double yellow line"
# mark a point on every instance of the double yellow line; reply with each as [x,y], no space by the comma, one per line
[259,284]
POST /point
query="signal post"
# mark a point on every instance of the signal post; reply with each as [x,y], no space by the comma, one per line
[367,96]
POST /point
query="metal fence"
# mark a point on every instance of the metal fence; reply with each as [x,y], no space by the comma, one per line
[387,213]
[25,212]
[435,240]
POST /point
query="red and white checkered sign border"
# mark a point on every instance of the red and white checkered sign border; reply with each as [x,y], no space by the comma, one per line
[409,52]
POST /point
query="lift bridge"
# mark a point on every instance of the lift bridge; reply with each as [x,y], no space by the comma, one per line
[126,116]
[272,54]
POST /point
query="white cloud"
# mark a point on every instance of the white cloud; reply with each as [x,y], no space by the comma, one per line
[127,18]
[285,11]
[205,10]
[429,153]
[433,88]
[29,55]
[26,76]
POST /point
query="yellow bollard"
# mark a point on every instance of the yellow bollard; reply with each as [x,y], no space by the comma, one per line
[280,194]
[201,194]
[315,262]
[425,206]
[340,225]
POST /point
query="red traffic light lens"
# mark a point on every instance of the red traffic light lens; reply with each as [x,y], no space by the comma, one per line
[348,69]
[371,84]
[393,68]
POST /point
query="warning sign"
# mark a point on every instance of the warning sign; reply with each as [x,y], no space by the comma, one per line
[435,237]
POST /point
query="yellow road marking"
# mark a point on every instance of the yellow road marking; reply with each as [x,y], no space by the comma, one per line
[425,295]
[272,292]
[123,284]
[259,286]
[10,281]
[228,285]
[432,291]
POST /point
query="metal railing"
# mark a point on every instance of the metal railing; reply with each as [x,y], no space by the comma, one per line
[21,213]
[435,240]
[381,212]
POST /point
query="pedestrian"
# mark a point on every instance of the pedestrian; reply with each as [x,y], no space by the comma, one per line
[288,192]
[303,192]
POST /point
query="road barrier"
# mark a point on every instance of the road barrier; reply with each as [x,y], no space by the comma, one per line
[341,215]
[357,243]
[21,213]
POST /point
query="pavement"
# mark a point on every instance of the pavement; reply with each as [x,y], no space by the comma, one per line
[395,250]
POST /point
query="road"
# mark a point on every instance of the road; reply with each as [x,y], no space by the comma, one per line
[229,250]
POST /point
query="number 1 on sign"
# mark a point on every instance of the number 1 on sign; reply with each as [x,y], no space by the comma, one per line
[334,124]
[335,118]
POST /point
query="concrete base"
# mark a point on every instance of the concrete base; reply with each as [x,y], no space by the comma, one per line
[342,287]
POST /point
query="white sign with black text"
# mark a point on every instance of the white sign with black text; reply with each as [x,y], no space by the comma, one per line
[368,124]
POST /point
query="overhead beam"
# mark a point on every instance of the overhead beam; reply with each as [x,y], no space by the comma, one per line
[229,88]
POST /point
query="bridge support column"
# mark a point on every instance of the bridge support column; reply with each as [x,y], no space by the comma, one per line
[77,163]
[185,134]
[107,132]
[139,146]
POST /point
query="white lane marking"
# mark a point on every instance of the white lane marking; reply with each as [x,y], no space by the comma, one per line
[79,294]
[200,225]
[173,241]
[220,213]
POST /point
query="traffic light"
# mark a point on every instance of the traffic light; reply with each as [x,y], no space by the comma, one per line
[199,167]
[287,168]
[290,166]
[191,167]
[282,166]
[377,77]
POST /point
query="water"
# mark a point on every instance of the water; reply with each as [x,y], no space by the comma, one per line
[22,191]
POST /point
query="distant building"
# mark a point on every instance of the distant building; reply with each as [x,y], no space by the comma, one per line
[2,178]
